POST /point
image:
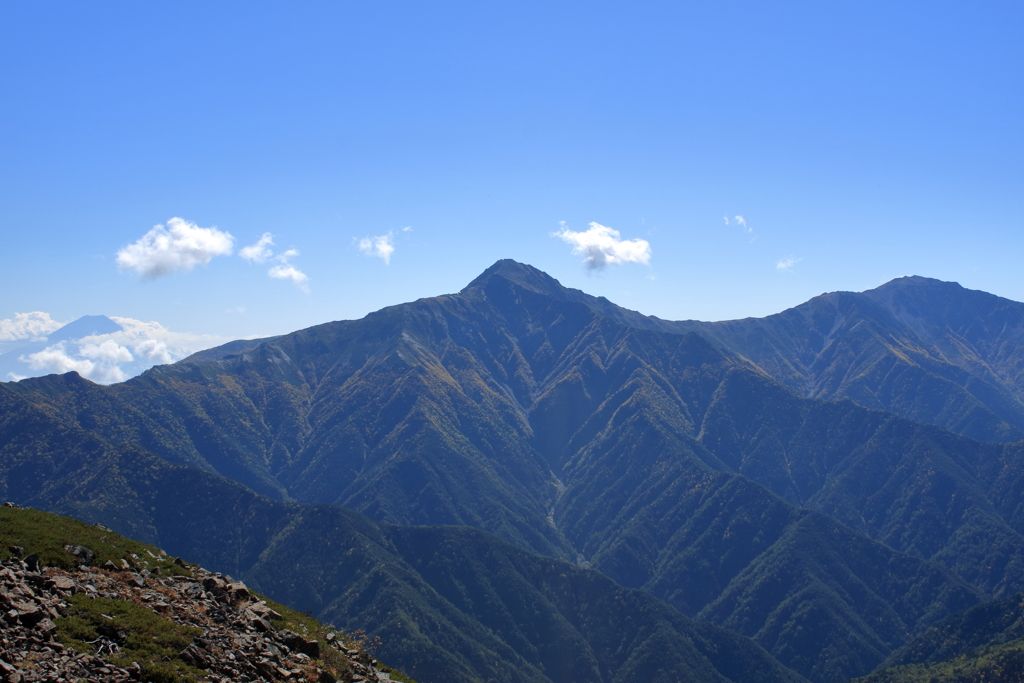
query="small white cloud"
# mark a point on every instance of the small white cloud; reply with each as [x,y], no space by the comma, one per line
[258,253]
[13,377]
[740,220]
[288,272]
[261,253]
[381,246]
[786,264]
[182,245]
[32,326]
[600,246]
[407,228]
[726,218]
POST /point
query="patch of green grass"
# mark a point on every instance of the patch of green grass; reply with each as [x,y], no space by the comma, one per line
[49,534]
[141,635]
[395,674]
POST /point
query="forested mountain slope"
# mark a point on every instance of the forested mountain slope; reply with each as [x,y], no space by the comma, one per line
[983,644]
[676,457]
[925,349]
[449,603]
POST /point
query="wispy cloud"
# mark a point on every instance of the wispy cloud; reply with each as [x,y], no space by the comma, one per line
[601,246]
[740,220]
[381,246]
[786,264]
[289,272]
[260,252]
[726,219]
[181,245]
[33,326]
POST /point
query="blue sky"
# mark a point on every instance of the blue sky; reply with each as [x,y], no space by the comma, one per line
[858,142]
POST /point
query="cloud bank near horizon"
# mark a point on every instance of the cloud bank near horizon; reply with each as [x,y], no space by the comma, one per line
[113,357]
[31,326]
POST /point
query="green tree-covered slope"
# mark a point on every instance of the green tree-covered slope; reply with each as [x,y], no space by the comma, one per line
[449,603]
[668,455]
[982,644]
[924,349]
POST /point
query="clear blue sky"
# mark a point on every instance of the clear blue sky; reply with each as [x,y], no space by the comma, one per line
[858,141]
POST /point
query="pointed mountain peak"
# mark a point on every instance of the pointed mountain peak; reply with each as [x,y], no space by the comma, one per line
[539,282]
[910,282]
[521,274]
[85,326]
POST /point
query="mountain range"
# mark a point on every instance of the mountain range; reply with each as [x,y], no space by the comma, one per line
[523,482]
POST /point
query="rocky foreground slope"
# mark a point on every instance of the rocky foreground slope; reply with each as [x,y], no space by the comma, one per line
[135,621]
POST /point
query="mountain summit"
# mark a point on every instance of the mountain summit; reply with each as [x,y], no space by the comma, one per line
[707,464]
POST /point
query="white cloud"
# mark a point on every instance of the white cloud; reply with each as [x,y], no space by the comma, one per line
[407,228]
[740,220]
[726,218]
[288,272]
[115,357]
[108,351]
[601,246]
[787,263]
[107,358]
[261,253]
[181,245]
[381,246]
[155,342]
[258,253]
[155,351]
[55,359]
[33,326]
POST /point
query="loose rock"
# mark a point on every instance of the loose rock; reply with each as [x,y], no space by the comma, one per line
[239,641]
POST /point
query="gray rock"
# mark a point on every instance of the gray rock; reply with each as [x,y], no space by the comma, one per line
[84,555]
[294,641]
